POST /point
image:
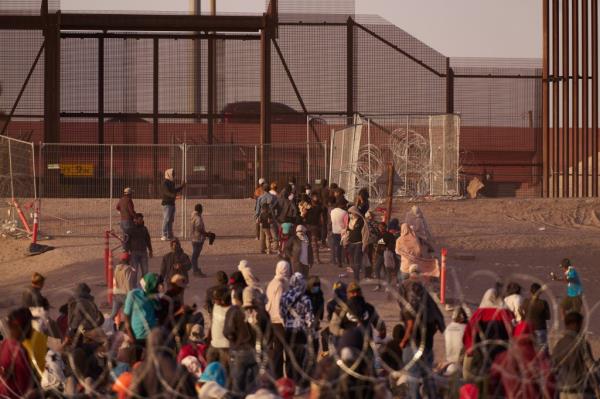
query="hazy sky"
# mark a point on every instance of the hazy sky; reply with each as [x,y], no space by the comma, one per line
[456,28]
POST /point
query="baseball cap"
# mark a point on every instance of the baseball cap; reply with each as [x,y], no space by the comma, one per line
[300,228]
[353,287]
[124,256]
[128,190]
[179,281]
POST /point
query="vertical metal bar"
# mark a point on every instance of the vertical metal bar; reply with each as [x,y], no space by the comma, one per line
[331,156]
[35,196]
[564,132]
[110,201]
[584,99]
[594,98]
[308,148]
[101,92]
[211,72]
[545,100]
[155,50]
[555,112]
[406,159]
[575,121]
[256,165]
[265,96]
[10,171]
[349,67]
[449,88]
[182,148]
[369,153]
[52,78]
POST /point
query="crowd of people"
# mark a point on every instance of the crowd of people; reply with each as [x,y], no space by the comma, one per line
[284,338]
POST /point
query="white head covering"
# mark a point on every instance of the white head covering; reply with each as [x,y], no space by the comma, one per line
[261,181]
[491,299]
[169,174]
[246,271]
[276,288]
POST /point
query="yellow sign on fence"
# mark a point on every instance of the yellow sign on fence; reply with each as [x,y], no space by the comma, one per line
[77,169]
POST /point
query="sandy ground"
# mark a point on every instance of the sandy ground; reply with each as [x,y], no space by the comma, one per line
[520,240]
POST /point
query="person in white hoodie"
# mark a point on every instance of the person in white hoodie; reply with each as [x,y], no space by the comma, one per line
[275,290]
[513,300]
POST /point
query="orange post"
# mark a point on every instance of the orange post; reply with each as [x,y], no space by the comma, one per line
[35,226]
[22,217]
[443,277]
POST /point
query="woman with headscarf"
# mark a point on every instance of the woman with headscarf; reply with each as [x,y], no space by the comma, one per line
[521,372]
[275,290]
[299,251]
[416,220]
[411,252]
[296,312]
[357,239]
[169,193]
[140,311]
[486,334]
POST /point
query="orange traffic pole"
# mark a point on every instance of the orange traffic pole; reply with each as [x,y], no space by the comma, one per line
[443,277]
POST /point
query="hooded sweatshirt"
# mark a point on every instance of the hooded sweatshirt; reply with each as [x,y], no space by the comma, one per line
[295,307]
[169,189]
[83,312]
[275,290]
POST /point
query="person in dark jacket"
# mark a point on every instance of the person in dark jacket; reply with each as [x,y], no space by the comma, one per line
[243,369]
[315,221]
[169,193]
[159,375]
[222,280]
[299,252]
[139,245]
[32,296]
[537,313]
[126,210]
[572,358]
[286,211]
[175,262]
[362,201]
[314,292]
[385,257]
[83,314]
[334,306]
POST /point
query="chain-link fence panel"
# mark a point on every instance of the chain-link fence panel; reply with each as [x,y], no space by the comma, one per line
[17,185]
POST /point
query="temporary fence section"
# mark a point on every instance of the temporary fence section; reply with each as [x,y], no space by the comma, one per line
[423,149]
[82,184]
[18,190]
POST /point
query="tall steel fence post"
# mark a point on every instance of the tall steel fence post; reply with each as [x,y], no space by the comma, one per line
[307,149]
[255,165]
[369,152]
[10,171]
[34,174]
[110,195]
[183,149]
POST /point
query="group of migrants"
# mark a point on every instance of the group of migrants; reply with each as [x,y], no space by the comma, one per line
[283,338]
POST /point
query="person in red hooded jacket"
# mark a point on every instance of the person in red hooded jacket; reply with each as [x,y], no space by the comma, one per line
[521,372]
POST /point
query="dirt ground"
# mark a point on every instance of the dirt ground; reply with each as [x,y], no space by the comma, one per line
[515,239]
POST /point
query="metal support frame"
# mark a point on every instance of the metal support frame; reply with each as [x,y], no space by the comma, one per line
[545,134]
[449,88]
[584,100]
[265,96]
[350,68]
[22,90]
[570,147]
[594,101]
[564,132]
[52,77]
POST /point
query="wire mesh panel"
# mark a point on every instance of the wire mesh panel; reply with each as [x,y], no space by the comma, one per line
[76,178]
[17,181]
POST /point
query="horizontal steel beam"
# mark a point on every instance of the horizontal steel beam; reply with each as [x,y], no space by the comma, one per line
[21,22]
[171,23]
[176,36]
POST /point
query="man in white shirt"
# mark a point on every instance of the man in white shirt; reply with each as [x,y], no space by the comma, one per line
[339,223]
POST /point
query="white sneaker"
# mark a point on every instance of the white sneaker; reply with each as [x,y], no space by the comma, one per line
[163,238]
